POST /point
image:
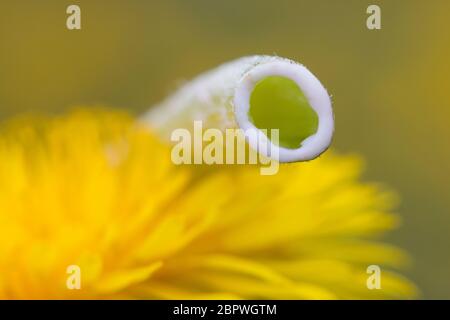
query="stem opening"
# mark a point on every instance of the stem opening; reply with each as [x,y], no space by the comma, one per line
[277,102]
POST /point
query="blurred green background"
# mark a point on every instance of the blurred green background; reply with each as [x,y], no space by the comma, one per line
[390,87]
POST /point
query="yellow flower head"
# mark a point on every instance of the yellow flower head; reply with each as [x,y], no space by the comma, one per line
[91,190]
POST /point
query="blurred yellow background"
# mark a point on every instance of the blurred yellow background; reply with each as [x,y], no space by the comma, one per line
[390,87]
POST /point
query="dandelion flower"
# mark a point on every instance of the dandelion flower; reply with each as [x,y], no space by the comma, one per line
[93,190]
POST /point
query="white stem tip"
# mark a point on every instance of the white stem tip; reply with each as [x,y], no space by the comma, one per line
[255,93]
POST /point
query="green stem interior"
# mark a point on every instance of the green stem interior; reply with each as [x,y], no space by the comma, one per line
[277,102]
